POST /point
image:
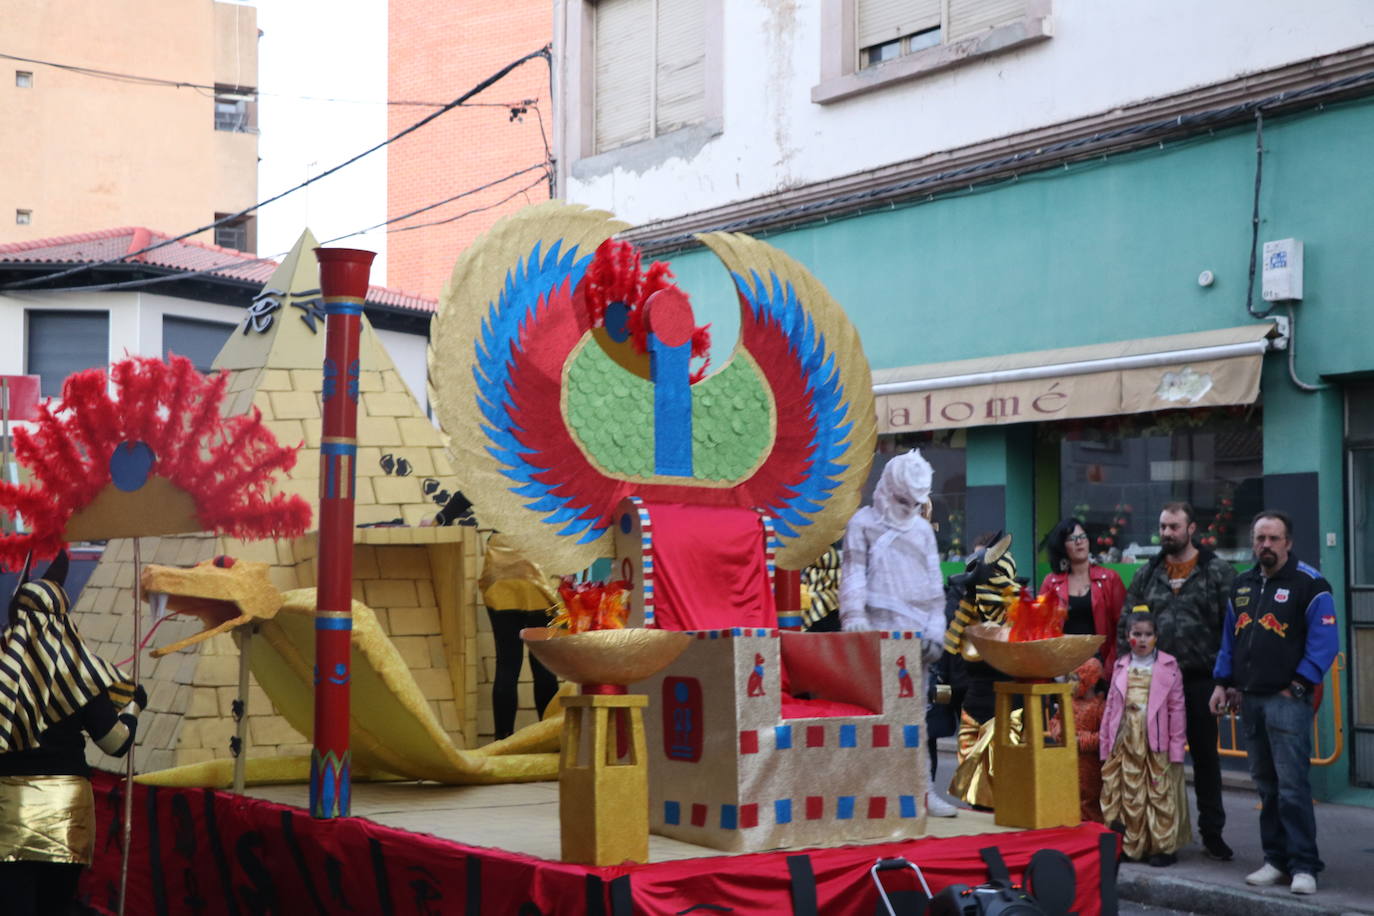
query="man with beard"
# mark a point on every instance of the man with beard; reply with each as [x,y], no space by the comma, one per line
[1279,640]
[1186,588]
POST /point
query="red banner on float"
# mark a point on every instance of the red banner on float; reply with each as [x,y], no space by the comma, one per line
[211,853]
[19,397]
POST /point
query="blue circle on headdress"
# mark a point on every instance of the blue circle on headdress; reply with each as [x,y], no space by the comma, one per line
[130,465]
[617,314]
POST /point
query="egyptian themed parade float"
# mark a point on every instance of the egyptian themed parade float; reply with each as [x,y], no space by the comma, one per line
[321,629]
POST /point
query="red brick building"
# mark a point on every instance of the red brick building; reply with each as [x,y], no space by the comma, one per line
[436,52]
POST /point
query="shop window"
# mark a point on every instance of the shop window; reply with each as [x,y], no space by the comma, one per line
[945,451]
[1359,450]
[198,341]
[60,343]
[1115,473]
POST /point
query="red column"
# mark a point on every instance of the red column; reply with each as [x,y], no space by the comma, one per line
[343,284]
[787,596]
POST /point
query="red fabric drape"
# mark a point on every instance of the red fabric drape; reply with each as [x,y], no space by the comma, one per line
[758,884]
[213,853]
[710,568]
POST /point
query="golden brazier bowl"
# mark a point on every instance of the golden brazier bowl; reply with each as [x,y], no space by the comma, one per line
[1039,659]
[605,656]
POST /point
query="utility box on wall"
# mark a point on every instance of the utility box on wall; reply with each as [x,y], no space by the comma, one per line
[1282,273]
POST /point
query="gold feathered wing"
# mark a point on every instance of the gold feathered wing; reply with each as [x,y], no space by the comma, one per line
[794,329]
[512,289]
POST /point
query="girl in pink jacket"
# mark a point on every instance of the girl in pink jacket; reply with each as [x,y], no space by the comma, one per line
[1142,741]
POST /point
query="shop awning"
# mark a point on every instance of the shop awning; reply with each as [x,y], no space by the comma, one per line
[1201,369]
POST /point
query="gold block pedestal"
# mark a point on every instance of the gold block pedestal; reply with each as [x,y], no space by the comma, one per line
[1036,784]
[603,799]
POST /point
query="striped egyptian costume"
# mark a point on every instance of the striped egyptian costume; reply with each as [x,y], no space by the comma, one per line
[52,690]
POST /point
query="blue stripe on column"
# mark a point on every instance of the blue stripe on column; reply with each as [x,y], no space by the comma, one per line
[335,307]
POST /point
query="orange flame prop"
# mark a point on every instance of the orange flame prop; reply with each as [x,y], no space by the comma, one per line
[1035,618]
[593,605]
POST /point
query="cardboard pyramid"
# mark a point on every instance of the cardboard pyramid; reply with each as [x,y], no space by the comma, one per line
[419,580]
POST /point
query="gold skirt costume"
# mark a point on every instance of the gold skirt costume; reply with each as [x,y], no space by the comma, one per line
[47,819]
[972,781]
[1142,788]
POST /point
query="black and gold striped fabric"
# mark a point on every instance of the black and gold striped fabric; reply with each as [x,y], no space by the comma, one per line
[989,603]
[822,582]
[46,671]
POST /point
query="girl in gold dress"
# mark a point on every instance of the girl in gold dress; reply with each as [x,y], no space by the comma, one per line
[1142,740]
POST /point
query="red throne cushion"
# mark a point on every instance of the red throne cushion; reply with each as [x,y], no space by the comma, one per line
[795,708]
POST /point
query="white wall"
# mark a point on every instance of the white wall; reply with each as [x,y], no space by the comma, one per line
[127,328]
[408,352]
[1102,55]
[135,320]
[136,328]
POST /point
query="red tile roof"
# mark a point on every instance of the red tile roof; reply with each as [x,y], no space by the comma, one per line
[192,257]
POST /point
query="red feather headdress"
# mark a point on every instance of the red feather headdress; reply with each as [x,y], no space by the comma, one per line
[169,414]
[615,275]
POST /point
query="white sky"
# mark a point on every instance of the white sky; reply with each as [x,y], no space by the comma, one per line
[334,50]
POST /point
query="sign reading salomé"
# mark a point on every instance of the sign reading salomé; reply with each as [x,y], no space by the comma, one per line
[933,405]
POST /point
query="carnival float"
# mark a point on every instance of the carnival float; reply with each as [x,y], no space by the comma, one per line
[312,625]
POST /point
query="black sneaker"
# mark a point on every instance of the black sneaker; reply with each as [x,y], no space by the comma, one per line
[1163,859]
[1215,848]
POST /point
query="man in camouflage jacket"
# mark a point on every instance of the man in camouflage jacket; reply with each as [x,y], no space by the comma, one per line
[1187,588]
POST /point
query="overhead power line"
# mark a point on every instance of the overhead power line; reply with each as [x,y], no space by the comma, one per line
[239,263]
[119,77]
[447,200]
[234,217]
[466,213]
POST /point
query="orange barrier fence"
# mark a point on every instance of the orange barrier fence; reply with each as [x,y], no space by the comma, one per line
[1333,692]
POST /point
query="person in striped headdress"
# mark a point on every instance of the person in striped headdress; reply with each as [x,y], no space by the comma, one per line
[821,604]
[53,692]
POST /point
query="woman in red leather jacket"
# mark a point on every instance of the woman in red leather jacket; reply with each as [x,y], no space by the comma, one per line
[1092,594]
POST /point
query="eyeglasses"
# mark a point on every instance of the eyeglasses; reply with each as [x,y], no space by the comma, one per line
[1075,538]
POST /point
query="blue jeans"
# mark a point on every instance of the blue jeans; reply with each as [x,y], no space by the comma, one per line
[1278,739]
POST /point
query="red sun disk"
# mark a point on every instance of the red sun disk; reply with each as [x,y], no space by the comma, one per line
[668,314]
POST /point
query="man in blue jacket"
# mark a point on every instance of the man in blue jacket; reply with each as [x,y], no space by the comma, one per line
[1279,639]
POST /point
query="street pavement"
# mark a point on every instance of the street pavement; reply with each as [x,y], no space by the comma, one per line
[1345,838]
[1197,884]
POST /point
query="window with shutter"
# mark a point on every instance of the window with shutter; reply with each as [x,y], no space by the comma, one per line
[649,74]
[887,29]
[881,21]
[60,343]
[680,81]
[197,340]
[870,44]
[969,17]
[623,56]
